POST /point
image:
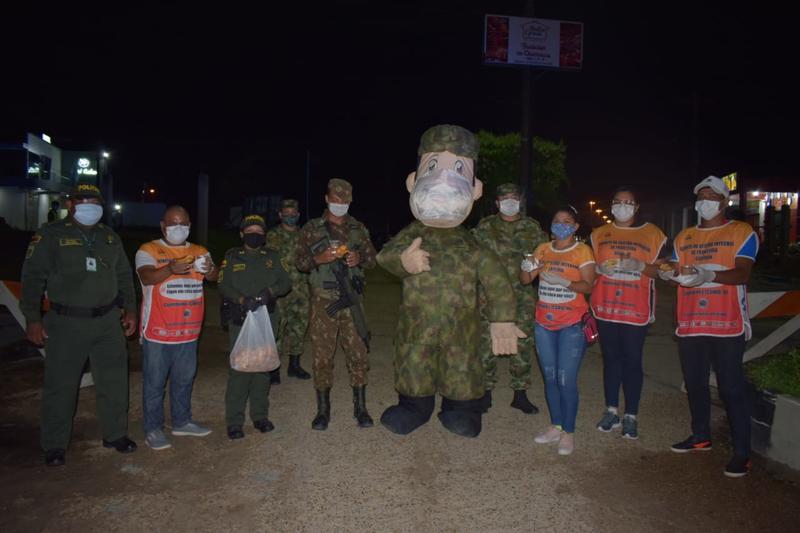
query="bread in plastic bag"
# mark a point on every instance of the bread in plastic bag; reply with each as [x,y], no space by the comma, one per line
[255,349]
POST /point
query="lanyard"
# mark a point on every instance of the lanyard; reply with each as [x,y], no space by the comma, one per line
[89,243]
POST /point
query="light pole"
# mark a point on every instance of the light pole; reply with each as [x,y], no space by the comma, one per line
[106,184]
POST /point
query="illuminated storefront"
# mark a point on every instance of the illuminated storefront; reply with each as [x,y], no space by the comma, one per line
[762,196]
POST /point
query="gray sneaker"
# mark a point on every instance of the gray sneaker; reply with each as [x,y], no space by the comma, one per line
[608,422]
[190,429]
[629,429]
[157,440]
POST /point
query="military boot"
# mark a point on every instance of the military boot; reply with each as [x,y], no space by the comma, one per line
[522,403]
[410,413]
[320,422]
[462,417]
[295,371]
[360,407]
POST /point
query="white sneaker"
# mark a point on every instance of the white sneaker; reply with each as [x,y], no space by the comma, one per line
[157,440]
[566,445]
[551,434]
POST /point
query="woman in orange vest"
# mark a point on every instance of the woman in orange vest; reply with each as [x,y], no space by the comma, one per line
[565,268]
[623,301]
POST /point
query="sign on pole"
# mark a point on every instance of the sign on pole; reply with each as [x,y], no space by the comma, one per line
[532,42]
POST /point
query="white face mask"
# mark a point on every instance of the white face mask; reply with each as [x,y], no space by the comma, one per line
[177,235]
[623,212]
[88,214]
[509,207]
[441,198]
[708,209]
[338,210]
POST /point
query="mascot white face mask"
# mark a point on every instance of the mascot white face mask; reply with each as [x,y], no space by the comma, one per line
[443,189]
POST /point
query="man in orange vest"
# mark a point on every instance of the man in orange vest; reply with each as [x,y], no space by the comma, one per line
[172,271]
[712,263]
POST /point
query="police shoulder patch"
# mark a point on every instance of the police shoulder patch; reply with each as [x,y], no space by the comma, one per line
[269,263]
[285,263]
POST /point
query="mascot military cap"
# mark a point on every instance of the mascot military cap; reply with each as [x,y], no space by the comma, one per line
[506,188]
[447,137]
[341,188]
[288,203]
[85,189]
[253,220]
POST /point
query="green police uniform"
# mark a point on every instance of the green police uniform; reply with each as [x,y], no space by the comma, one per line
[510,240]
[438,332]
[87,278]
[294,307]
[247,273]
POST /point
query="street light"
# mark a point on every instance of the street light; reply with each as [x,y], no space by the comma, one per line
[598,211]
[592,204]
[106,155]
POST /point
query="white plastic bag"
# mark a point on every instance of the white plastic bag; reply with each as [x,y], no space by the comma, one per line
[255,349]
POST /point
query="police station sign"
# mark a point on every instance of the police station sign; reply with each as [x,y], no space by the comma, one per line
[532,42]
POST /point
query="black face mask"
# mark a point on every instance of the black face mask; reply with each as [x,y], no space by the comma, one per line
[254,240]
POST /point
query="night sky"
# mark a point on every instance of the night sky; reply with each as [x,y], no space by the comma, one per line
[242,92]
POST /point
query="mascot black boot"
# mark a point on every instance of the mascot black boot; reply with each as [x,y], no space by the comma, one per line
[360,407]
[462,417]
[410,413]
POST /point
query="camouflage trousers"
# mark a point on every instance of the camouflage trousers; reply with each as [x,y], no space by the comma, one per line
[455,372]
[293,325]
[326,334]
[519,364]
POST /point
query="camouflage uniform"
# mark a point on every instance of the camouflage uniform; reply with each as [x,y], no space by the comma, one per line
[323,329]
[510,241]
[294,307]
[437,338]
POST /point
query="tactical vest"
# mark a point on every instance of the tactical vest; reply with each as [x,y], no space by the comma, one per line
[322,274]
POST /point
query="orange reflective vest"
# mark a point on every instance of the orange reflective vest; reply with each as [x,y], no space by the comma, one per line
[627,297]
[172,311]
[559,307]
[714,309]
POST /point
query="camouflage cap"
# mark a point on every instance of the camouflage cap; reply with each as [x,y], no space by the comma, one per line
[253,220]
[341,188]
[289,203]
[85,189]
[506,188]
[454,139]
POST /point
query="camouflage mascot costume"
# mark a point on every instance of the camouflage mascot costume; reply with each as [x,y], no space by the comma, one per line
[441,265]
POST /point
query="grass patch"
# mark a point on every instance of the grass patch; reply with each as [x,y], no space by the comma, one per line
[777,373]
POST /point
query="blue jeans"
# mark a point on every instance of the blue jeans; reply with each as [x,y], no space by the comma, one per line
[178,362]
[623,348]
[560,356]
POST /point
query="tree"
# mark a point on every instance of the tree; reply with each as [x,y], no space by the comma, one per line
[499,162]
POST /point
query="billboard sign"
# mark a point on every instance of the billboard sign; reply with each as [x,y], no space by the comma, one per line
[541,43]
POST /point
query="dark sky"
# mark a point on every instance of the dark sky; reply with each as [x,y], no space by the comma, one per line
[242,92]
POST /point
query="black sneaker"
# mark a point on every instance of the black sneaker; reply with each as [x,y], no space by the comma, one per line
[264,426]
[738,467]
[235,432]
[692,444]
[54,457]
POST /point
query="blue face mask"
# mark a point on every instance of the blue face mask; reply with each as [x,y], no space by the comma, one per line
[562,230]
[291,221]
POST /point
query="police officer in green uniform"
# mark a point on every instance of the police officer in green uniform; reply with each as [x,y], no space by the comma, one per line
[251,276]
[294,308]
[83,267]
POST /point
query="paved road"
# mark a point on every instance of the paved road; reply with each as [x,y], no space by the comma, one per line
[296,479]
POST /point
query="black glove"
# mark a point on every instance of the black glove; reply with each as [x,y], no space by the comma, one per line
[251,303]
[267,299]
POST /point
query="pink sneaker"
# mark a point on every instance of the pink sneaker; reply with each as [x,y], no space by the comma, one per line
[552,434]
[566,445]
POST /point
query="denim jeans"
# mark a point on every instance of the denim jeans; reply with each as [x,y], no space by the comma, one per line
[560,356]
[623,346]
[725,354]
[178,362]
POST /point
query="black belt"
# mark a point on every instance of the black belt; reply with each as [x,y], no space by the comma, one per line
[85,312]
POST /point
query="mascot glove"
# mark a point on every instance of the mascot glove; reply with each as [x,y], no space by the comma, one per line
[414,259]
[504,337]
[701,275]
[631,265]
[555,279]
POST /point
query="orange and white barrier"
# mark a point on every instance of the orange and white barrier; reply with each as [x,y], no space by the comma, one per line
[773,305]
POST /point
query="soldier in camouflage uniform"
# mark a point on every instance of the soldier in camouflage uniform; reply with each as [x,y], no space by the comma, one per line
[441,265]
[251,275]
[294,307]
[83,267]
[337,241]
[510,235]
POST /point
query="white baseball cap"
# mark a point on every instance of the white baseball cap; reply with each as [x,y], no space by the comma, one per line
[715,184]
